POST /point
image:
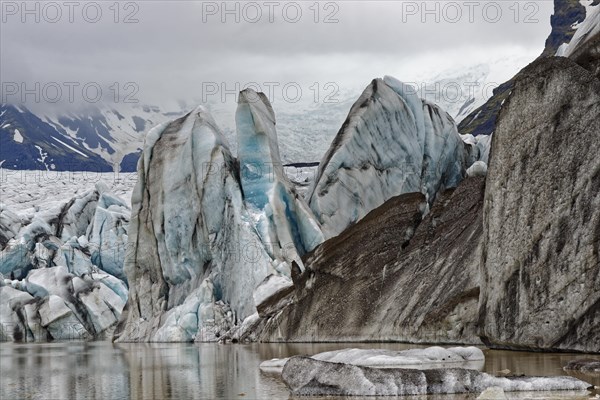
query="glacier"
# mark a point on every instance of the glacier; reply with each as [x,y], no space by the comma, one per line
[391,143]
[214,238]
[210,242]
[283,219]
[53,285]
[207,228]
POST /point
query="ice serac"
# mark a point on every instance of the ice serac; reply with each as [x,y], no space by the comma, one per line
[541,263]
[481,146]
[88,230]
[374,281]
[391,143]
[283,220]
[57,283]
[194,257]
[10,224]
[53,304]
[306,376]
[107,236]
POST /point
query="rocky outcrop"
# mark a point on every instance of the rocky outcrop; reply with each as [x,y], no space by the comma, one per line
[541,263]
[392,276]
[482,121]
[567,14]
[309,377]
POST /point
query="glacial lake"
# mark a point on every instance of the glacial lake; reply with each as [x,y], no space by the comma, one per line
[104,370]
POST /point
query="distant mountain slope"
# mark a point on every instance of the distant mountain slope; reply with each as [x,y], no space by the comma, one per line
[568,16]
[95,139]
[27,142]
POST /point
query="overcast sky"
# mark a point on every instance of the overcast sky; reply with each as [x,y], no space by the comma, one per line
[175,50]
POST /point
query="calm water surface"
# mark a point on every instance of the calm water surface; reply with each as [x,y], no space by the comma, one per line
[102,370]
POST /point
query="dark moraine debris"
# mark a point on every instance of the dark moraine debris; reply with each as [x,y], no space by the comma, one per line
[392,276]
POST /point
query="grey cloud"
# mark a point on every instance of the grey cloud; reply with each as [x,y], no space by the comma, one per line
[171,50]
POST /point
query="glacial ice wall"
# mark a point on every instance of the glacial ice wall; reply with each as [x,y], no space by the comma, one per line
[391,143]
[207,230]
[190,240]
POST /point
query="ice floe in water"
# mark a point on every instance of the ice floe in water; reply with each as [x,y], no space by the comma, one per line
[306,376]
[431,357]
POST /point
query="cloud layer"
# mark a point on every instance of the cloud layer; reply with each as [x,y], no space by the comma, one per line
[176,47]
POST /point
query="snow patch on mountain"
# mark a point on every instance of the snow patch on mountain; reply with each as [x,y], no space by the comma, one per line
[17,137]
[586,30]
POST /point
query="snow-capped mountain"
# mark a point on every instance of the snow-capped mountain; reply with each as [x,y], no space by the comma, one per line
[99,139]
[28,142]
[567,15]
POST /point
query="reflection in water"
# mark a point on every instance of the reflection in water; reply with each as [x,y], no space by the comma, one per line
[102,370]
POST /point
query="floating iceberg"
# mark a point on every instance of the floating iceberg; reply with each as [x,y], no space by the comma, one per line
[431,357]
[306,376]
